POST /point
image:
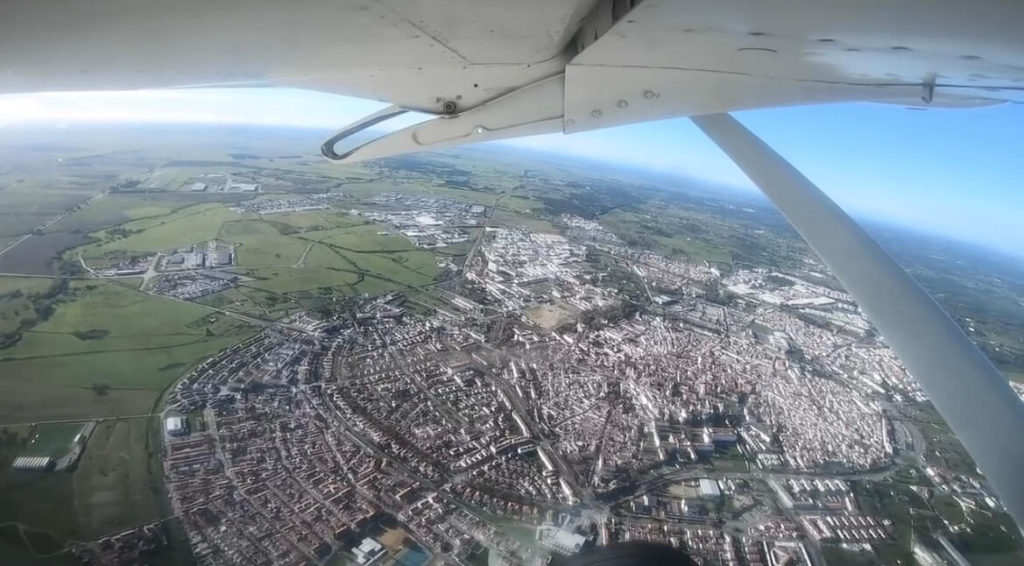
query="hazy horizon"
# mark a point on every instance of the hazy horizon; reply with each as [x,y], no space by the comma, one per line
[947,173]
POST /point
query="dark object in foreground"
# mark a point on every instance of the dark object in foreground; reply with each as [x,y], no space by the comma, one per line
[630,554]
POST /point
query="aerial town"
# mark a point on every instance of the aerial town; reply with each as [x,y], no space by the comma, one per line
[535,414]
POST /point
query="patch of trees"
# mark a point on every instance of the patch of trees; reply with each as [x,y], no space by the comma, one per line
[121,232]
[44,305]
[610,314]
[69,268]
[13,295]
[127,184]
[91,334]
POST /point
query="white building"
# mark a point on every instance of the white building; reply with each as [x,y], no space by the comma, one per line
[175,426]
[368,551]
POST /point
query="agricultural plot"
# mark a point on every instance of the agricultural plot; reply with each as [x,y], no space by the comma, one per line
[118,208]
[39,255]
[23,208]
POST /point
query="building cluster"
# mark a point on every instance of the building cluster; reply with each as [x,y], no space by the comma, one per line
[588,231]
[316,429]
[134,546]
[1018,387]
[190,285]
[194,271]
[519,269]
[219,183]
[128,268]
[209,255]
[662,273]
[429,222]
[293,467]
[817,493]
[266,207]
[847,528]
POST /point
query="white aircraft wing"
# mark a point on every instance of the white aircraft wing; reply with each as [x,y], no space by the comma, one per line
[623,61]
[492,69]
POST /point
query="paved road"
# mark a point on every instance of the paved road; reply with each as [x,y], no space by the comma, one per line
[82,419]
[480,237]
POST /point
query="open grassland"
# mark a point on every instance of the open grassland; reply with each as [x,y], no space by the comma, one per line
[41,501]
[304,220]
[189,225]
[26,206]
[365,238]
[116,485]
[107,350]
[673,235]
[118,208]
[24,285]
[16,298]
[260,243]
[100,317]
[26,396]
[251,301]
[282,280]
[38,255]
[283,254]
[414,268]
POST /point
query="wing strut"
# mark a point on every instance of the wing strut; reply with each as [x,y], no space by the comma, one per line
[961,382]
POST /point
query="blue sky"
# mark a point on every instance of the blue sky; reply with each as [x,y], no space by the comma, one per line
[955,172]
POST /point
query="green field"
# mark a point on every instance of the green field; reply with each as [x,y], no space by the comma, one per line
[25,207]
[251,301]
[117,483]
[107,350]
[186,226]
[26,285]
[305,220]
[344,252]
[345,259]
[114,209]
[283,280]
[364,238]
[260,243]
[115,486]
[674,235]
[16,300]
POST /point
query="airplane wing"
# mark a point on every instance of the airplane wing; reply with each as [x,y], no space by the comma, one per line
[618,61]
[493,69]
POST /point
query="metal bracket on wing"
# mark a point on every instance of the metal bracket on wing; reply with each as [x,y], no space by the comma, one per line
[534,109]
